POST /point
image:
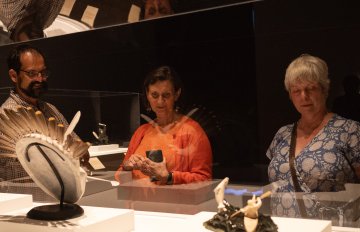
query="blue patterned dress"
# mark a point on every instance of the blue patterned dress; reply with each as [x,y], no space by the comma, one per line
[324,164]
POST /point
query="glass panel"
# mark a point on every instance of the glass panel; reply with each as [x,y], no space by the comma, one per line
[96,107]
[97,112]
[341,208]
[44,18]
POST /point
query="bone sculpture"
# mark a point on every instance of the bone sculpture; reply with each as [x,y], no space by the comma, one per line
[233,219]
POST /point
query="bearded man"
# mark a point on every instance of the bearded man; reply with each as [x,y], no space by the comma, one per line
[29,74]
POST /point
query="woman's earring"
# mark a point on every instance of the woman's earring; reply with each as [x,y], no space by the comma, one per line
[148,109]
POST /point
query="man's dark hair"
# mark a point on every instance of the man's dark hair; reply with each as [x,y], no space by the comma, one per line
[13,59]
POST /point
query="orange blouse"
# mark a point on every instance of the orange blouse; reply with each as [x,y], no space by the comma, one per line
[185,147]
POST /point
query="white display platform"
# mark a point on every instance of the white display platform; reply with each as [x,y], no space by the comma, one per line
[106,150]
[95,219]
[195,223]
[344,229]
[10,202]
[189,198]
[161,222]
[119,220]
[168,207]
[145,190]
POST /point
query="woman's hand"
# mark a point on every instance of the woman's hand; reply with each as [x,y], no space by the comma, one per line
[135,162]
[154,169]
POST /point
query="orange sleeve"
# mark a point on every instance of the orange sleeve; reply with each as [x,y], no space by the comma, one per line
[198,165]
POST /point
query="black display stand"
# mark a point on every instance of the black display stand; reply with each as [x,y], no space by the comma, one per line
[55,212]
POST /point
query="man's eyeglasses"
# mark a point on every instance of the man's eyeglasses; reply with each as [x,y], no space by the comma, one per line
[33,74]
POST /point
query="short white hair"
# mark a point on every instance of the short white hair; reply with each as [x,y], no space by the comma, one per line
[307,68]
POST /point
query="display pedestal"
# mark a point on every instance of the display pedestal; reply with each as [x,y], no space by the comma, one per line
[106,157]
[144,190]
[10,202]
[168,207]
[95,219]
[184,198]
[108,149]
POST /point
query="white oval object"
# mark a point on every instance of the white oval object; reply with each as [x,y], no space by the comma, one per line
[37,156]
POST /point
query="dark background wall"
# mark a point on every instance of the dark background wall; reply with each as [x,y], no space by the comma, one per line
[232,60]
[286,29]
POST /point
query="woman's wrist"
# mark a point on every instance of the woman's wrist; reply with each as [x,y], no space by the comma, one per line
[166,178]
[169,179]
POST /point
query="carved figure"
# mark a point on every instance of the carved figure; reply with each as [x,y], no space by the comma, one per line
[234,219]
[102,137]
[220,192]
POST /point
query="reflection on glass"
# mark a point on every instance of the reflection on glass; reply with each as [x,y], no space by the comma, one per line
[95,105]
[157,8]
[339,207]
[27,19]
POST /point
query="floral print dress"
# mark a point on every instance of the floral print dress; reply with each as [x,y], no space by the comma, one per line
[326,164]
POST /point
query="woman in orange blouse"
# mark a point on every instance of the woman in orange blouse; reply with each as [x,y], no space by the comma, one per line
[187,155]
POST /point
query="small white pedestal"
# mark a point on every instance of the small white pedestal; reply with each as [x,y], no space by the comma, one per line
[95,219]
[183,198]
[10,202]
[100,150]
[107,156]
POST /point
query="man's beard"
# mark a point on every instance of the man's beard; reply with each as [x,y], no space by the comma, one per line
[35,92]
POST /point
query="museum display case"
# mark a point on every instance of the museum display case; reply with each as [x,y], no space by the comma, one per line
[213,47]
[108,119]
[116,112]
[147,207]
[110,115]
[74,16]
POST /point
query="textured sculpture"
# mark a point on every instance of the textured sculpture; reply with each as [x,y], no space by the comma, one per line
[49,154]
[232,219]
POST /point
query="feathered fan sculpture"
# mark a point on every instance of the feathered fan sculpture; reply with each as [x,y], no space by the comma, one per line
[50,155]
